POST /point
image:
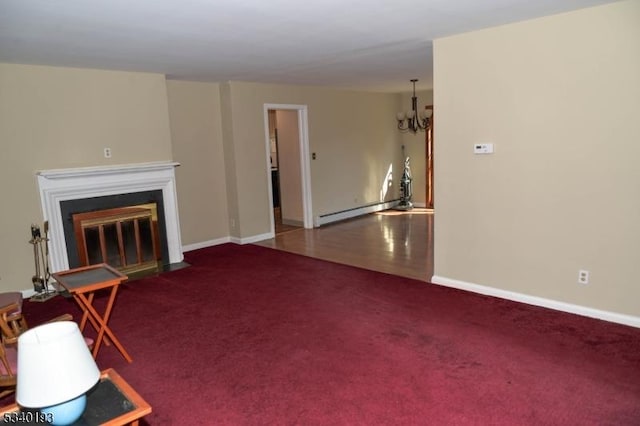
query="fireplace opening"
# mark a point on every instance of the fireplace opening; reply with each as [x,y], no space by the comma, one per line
[125,238]
[126,231]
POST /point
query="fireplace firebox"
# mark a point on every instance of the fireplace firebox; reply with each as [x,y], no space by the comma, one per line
[125,238]
[126,231]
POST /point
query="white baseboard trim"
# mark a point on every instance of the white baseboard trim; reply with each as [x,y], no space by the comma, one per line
[348,214]
[538,301]
[252,239]
[224,240]
[204,244]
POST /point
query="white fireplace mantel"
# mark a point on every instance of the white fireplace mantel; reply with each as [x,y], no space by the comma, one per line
[71,184]
[80,172]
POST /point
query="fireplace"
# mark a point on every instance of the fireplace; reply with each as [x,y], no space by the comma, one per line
[126,215]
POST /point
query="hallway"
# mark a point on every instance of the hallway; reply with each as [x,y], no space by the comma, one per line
[279,226]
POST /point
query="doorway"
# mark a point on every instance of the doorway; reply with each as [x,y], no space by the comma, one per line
[429,158]
[288,167]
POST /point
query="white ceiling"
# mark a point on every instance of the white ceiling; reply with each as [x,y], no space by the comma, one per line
[361,44]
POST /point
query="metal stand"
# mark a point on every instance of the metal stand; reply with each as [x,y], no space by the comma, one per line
[43,297]
[40,281]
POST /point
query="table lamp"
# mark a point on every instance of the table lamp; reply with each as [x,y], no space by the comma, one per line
[55,370]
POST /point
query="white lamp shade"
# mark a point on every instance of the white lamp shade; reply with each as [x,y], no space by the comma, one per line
[400,116]
[54,365]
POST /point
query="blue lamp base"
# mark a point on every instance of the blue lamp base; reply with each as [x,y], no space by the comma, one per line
[67,412]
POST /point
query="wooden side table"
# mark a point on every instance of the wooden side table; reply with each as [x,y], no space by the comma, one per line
[82,283]
[112,402]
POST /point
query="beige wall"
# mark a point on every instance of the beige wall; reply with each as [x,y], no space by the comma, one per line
[229,159]
[63,117]
[352,133]
[415,148]
[559,97]
[53,117]
[196,135]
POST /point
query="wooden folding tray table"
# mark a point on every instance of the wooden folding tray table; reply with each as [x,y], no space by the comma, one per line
[82,283]
[111,402]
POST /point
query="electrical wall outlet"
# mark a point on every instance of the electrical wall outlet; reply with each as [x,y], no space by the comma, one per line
[583,276]
[107,153]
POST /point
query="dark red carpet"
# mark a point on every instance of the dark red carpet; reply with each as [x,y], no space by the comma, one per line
[253,336]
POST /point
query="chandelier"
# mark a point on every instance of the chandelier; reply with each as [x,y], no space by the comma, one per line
[412,120]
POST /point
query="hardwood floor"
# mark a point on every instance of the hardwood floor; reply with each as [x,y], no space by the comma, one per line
[395,242]
[279,226]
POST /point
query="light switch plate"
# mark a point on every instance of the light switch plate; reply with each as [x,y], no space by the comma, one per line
[483,148]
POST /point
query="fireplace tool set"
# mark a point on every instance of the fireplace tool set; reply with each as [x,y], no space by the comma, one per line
[41,257]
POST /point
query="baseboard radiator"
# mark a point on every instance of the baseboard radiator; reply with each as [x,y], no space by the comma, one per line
[354,212]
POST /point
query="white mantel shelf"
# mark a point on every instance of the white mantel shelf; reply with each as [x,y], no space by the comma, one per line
[106,170]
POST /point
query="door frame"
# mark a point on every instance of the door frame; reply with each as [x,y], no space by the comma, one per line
[305,164]
[429,159]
